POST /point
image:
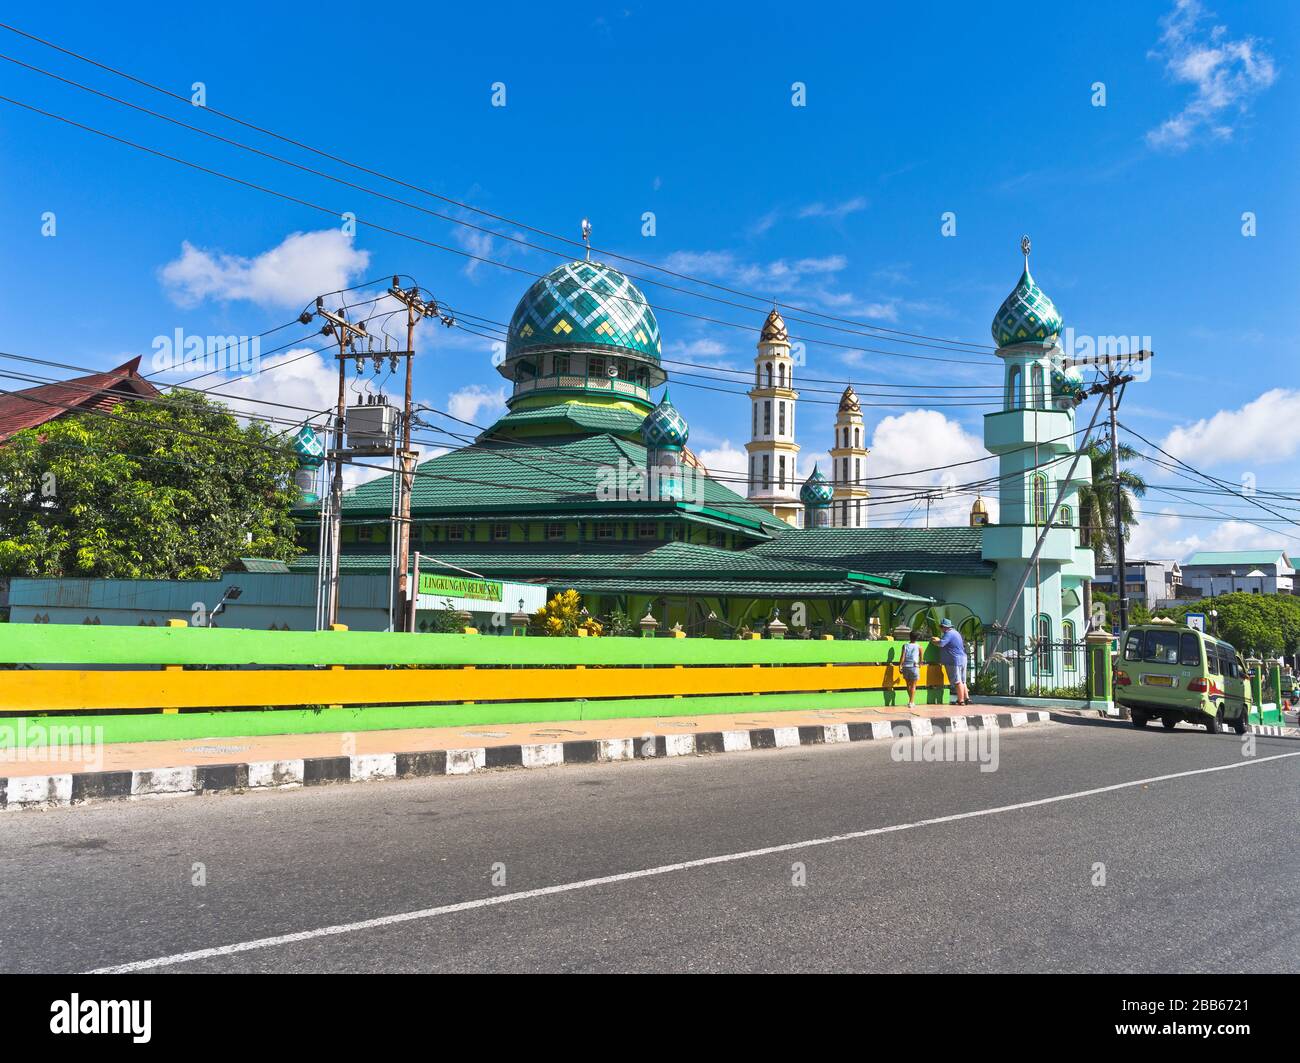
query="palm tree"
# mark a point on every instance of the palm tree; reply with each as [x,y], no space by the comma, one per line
[1097,506]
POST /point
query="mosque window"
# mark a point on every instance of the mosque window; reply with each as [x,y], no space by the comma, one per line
[780,414]
[857,437]
[1067,637]
[1065,517]
[455,533]
[857,470]
[1038,396]
[604,530]
[647,529]
[755,432]
[1043,651]
[751,470]
[559,364]
[844,514]
[1040,498]
[781,467]
[596,367]
[758,377]
[1013,388]
[767,417]
[555,531]
[767,470]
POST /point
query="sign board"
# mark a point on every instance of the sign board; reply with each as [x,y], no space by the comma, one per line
[482,590]
[1196,621]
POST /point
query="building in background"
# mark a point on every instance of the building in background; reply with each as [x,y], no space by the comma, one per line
[1153,583]
[849,463]
[33,407]
[1214,572]
[773,475]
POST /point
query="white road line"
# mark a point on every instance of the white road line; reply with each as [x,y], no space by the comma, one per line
[649,872]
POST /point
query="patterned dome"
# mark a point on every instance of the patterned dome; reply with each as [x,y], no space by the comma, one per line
[849,401]
[665,428]
[308,447]
[774,330]
[1026,316]
[816,490]
[584,304]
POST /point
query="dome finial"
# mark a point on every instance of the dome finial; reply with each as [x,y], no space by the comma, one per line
[1025,247]
[586,236]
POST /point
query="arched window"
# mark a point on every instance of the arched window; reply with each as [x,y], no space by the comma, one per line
[780,373]
[1067,637]
[1043,648]
[1065,517]
[768,373]
[758,377]
[1013,387]
[1040,498]
[857,437]
[1039,397]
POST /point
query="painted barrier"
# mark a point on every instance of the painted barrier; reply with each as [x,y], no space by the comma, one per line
[67,669]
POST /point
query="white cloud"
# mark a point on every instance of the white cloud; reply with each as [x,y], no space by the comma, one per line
[1255,433]
[925,439]
[477,404]
[728,463]
[779,275]
[835,210]
[1225,74]
[1162,533]
[291,274]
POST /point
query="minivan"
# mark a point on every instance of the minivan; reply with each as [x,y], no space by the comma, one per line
[1170,673]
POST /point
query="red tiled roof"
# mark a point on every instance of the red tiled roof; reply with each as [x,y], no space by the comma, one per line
[33,407]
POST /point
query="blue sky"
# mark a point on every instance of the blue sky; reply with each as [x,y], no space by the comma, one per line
[1135,208]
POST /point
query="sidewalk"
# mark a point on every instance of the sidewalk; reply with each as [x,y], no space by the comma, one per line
[146,769]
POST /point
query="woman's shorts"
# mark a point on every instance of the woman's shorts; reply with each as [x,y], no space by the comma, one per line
[911,674]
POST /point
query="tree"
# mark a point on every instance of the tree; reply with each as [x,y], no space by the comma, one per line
[172,488]
[1267,624]
[1097,505]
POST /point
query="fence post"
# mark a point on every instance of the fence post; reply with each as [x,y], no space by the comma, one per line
[1100,692]
[174,667]
[1256,667]
[336,667]
[1275,679]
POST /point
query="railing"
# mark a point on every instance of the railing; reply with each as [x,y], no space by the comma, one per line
[56,669]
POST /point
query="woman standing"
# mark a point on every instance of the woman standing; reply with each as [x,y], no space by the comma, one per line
[911,666]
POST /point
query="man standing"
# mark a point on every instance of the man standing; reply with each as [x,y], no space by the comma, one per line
[952,654]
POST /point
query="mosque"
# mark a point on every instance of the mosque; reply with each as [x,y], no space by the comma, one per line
[588,482]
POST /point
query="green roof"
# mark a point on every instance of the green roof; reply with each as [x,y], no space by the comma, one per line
[570,418]
[1239,557]
[892,552]
[258,564]
[512,477]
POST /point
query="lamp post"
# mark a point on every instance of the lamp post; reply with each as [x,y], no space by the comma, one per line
[1214,621]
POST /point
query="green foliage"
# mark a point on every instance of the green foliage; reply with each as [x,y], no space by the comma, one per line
[444,620]
[165,489]
[1097,500]
[1077,691]
[1267,624]
[562,616]
[619,625]
[985,683]
[1138,613]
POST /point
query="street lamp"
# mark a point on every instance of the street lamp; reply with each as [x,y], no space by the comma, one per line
[1214,621]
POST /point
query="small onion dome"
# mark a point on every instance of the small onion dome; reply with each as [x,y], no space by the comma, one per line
[308,447]
[1027,315]
[849,401]
[774,330]
[979,512]
[665,428]
[816,490]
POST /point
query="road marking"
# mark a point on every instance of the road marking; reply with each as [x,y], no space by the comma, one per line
[649,872]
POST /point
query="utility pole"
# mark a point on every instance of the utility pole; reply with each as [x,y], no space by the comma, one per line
[403,618]
[344,333]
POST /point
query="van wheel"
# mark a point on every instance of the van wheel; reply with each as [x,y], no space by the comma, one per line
[1169,722]
[1213,723]
[1138,717]
[1240,724]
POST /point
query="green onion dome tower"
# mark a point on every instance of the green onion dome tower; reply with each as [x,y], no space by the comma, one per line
[583,333]
[664,433]
[816,495]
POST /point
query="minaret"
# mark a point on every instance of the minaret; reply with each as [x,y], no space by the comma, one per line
[1033,438]
[773,478]
[816,497]
[849,464]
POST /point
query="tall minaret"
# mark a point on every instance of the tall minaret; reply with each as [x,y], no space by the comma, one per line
[849,464]
[1033,435]
[773,479]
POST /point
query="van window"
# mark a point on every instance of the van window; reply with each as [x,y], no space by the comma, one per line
[1213,659]
[1133,647]
[1227,662]
[1190,651]
[1162,647]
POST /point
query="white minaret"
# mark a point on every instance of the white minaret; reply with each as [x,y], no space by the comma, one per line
[773,478]
[849,464]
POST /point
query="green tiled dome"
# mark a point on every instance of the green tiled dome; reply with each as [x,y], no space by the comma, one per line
[584,304]
[665,428]
[1027,315]
[816,490]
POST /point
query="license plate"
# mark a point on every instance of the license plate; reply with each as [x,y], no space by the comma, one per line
[1158,680]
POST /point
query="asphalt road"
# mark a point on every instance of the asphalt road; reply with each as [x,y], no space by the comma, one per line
[1202,872]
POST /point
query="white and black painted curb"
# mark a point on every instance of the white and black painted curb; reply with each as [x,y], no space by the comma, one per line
[53,791]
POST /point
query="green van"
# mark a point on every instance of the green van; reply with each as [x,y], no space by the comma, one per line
[1174,673]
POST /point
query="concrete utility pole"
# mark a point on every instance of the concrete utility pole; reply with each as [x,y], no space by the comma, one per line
[344,333]
[403,618]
